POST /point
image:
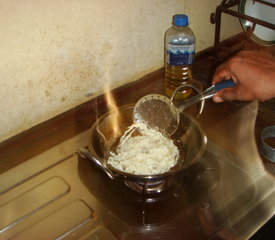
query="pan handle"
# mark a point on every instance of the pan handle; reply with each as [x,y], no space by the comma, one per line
[86,154]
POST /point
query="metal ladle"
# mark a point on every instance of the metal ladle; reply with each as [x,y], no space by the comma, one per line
[160,113]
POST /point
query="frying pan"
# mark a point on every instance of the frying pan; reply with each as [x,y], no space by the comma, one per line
[107,130]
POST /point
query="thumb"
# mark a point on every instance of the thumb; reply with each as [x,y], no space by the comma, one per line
[225,95]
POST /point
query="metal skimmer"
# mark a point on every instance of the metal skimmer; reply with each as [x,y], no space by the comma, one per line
[160,113]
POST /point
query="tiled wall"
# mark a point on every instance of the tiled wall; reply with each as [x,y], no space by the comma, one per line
[56,54]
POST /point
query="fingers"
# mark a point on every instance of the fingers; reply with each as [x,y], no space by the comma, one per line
[235,93]
[254,74]
[225,95]
[221,73]
[217,98]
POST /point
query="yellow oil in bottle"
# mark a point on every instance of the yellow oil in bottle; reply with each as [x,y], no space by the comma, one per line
[176,76]
[179,57]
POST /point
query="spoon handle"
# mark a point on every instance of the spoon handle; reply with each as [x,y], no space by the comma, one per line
[209,92]
[224,84]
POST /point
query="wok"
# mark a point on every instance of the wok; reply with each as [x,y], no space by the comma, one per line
[107,130]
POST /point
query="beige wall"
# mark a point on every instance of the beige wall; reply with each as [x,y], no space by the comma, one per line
[56,54]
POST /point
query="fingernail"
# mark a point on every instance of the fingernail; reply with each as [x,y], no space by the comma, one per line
[217,99]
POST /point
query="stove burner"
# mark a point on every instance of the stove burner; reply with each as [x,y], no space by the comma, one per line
[149,187]
[167,190]
[151,203]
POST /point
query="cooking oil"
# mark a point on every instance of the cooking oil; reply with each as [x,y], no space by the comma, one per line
[179,56]
[176,76]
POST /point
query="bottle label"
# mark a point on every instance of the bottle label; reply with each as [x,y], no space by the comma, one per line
[180,54]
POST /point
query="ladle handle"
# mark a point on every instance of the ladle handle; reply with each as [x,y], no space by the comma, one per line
[85,153]
[224,84]
[208,93]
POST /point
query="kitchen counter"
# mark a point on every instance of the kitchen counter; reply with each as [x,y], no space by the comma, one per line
[44,182]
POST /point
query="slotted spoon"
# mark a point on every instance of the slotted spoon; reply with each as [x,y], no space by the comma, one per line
[159,112]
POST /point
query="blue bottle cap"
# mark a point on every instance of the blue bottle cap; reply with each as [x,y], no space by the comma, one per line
[180,20]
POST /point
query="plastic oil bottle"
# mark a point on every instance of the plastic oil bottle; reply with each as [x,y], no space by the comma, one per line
[179,56]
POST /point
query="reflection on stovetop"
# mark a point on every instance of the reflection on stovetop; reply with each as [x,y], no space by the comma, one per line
[194,205]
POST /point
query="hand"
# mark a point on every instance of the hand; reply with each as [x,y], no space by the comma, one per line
[254,74]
